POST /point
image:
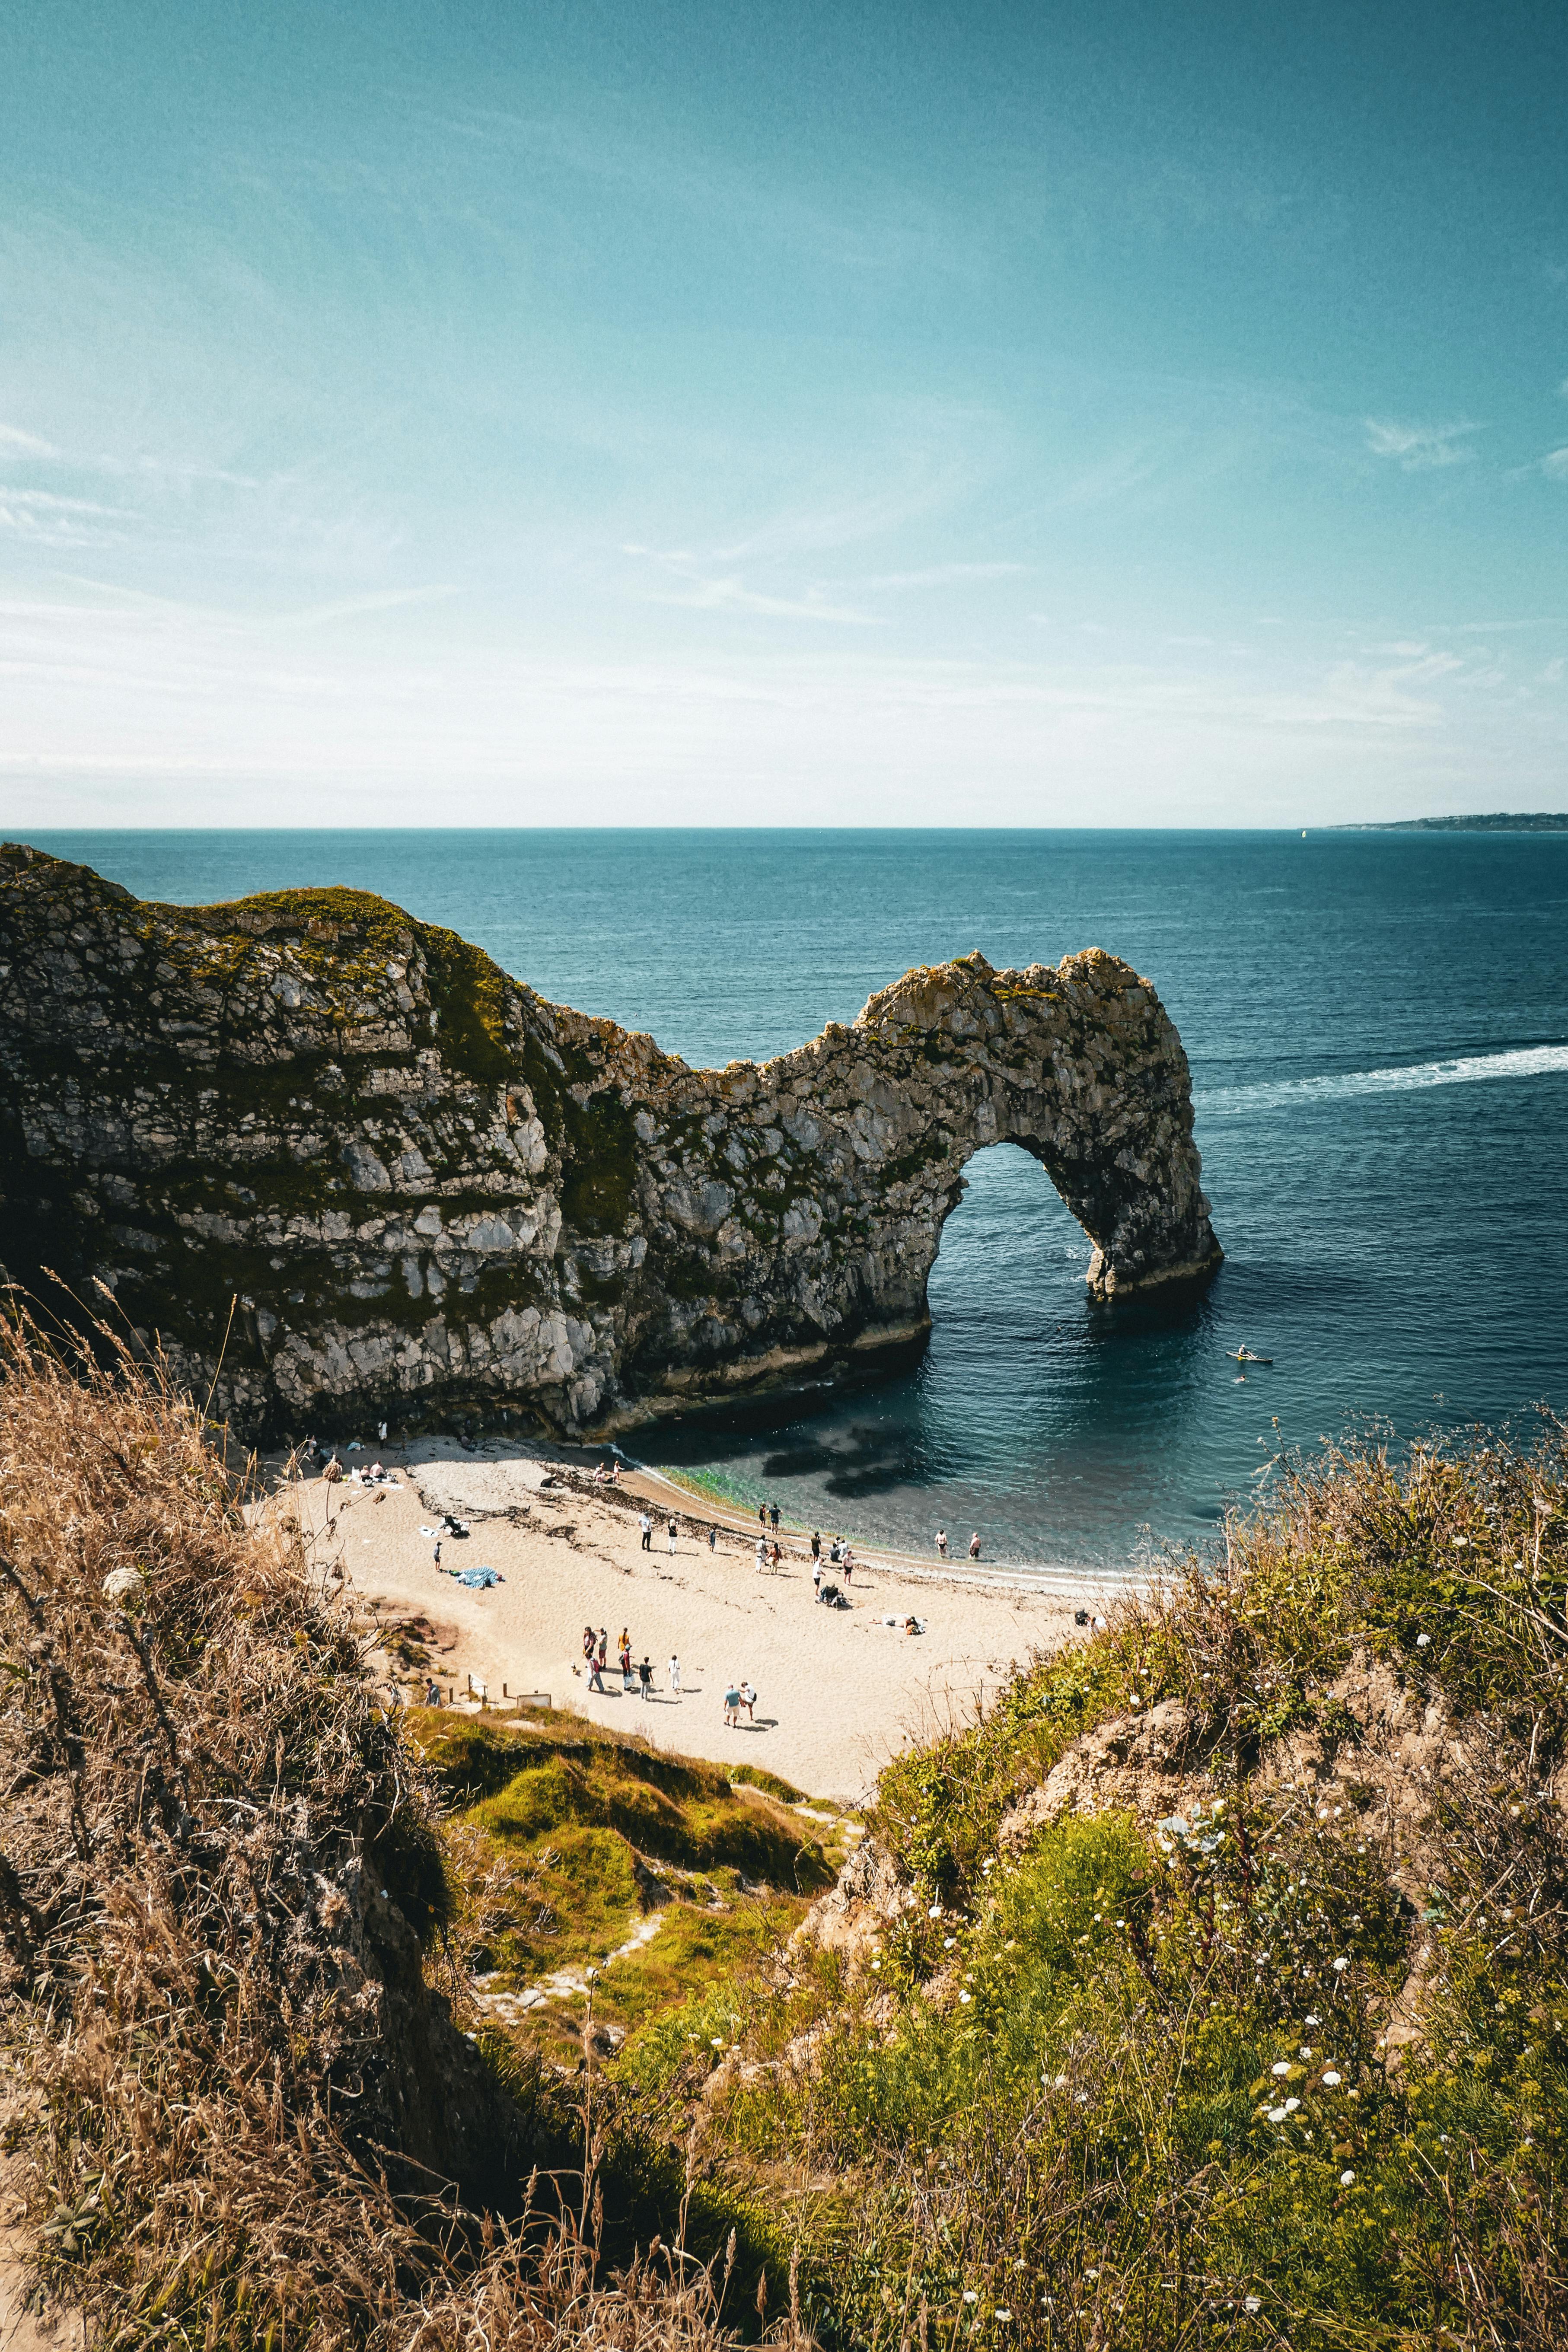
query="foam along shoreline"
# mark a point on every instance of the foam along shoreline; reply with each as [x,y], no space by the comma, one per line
[840,1691]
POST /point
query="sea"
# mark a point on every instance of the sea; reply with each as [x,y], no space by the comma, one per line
[1377,1024]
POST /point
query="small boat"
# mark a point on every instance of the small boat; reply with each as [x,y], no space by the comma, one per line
[1246,1356]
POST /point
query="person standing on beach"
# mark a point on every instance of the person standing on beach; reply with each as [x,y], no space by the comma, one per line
[674,1675]
[437,1552]
[773,1516]
[816,1544]
[646,1523]
[625,1655]
[714,1536]
[816,1577]
[974,1545]
[672,1535]
[645,1675]
[596,1672]
[762,1555]
[749,1701]
[732,1707]
[942,1543]
[763,1517]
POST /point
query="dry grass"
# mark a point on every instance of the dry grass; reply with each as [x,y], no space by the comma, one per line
[206,1796]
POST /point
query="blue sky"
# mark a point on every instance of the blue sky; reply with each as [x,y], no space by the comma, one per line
[1087,415]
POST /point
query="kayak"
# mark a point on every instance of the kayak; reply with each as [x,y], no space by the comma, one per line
[1244,1356]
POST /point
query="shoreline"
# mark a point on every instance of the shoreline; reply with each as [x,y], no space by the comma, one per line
[643,1482]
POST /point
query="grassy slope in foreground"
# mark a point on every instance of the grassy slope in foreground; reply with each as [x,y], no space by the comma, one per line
[1211,1988]
[1213,1985]
[570,1851]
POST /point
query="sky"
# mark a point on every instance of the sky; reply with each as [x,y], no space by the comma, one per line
[630,413]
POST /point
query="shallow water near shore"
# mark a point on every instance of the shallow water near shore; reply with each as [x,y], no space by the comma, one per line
[1378,1030]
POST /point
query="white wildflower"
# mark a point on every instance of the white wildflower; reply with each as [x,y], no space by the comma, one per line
[1347,2179]
[1332,2080]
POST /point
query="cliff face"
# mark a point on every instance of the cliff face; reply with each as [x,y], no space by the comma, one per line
[430,1190]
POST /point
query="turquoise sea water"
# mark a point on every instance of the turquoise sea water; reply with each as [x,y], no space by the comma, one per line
[1378,1030]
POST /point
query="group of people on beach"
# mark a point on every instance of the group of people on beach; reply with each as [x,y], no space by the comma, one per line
[596,1656]
[941,1544]
[641,1676]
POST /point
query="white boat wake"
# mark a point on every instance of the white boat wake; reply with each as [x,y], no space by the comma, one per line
[1467,1070]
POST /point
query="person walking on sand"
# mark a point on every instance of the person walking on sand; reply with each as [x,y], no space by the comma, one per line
[974,1545]
[646,1523]
[625,1655]
[596,1673]
[816,1577]
[674,1675]
[777,1558]
[749,1701]
[732,1707]
[645,1675]
[762,1555]
[942,1543]
[602,1650]
[588,1643]
[672,1535]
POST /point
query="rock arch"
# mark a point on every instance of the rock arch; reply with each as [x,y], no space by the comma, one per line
[430,1191]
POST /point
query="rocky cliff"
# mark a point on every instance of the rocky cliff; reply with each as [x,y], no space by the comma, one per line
[338,1160]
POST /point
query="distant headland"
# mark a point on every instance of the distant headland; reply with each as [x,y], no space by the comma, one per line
[1542,821]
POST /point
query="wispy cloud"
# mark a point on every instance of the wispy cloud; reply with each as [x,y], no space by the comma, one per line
[941,575]
[1554,465]
[349,608]
[704,591]
[61,521]
[13,437]
[1417,448]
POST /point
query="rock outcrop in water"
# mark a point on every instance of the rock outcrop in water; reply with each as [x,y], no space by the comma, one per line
[429,1190]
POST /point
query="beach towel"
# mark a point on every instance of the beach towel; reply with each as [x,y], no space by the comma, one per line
[477,1579]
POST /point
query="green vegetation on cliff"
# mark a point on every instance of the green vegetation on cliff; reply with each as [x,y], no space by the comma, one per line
[568,1850]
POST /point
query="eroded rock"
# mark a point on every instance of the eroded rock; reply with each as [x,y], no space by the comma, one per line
[338,1160]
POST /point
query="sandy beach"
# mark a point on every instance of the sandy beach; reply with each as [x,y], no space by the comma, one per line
[840,1691]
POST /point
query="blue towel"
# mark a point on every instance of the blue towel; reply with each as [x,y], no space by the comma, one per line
[478,1577]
